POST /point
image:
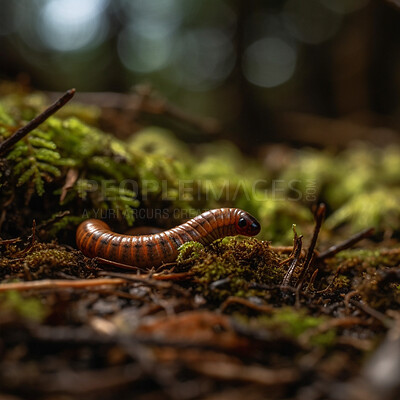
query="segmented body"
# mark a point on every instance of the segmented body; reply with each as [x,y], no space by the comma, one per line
[95,238]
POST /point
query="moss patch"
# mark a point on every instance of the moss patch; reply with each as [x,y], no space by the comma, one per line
[229,266]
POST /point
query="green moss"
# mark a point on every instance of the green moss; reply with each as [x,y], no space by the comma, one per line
[233,262]
[294,324]
[372,258]
[342,283]
[26,307]
[42,261]
[366,271]
[189,251]
[35,159]
[43,256]
[367,196]
[5,118]
[160,142]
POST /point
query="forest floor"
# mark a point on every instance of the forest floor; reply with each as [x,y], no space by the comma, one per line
[240,318]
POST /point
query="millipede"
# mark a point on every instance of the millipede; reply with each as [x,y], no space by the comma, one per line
[95,238]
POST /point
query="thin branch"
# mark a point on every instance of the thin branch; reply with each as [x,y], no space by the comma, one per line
[157,281]
[282,249]
[116,264]
[346,244]
[35,122]
[312,280]
[58,217]
[296,256]
[264,308]
[223,370]
[319,217]
[45,284]
[386,321]
[32,238]
[146,101]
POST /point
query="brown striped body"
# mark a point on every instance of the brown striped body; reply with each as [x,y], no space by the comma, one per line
[95,238]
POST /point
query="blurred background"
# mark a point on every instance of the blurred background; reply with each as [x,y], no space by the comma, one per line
[319,72]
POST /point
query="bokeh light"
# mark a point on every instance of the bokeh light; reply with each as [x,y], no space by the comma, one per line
[143,54]
[269,62]
[204,58]
[152,19]
[69,25]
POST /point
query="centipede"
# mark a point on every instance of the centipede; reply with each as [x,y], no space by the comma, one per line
[96,239]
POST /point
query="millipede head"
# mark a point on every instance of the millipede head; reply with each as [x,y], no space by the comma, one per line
[246,224]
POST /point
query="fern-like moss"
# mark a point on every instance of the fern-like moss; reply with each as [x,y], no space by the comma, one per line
[35,160]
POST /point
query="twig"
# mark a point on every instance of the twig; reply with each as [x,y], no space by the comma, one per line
[247,303]
[206,125]
[347,298]
[144,100]
[59,216]
[295,236]
[282,249]
[177,276]
[296,255]
[387,322]
[283,262]
[246,373]
[60,283]
[153,280]
[35,122]
[339,270]
[148,101]
[6,242]
[116,264]
[32,238]
[346,244]
[312,280]
[319,217]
